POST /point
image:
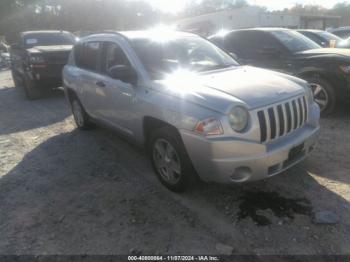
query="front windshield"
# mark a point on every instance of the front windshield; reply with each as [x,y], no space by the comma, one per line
[329,36]
[294,41]
[49,39]
[193,54]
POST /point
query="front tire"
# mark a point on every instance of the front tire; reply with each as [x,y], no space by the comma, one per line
[17,80]
[170,160]
[324,95]
[80,116]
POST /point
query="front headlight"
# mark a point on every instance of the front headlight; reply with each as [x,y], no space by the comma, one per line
[37,59]
[345,69]
[239,118]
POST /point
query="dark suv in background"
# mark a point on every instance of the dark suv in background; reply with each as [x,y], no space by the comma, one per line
[342,32]
[326,69]
[324,38]
[37,60]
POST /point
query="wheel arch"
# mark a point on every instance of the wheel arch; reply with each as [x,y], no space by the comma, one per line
[331,77]
[151,124]
[70,94]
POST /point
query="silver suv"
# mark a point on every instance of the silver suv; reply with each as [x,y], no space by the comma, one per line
[192,105]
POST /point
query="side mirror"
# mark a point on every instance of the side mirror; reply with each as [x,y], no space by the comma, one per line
[123,73]
[270,52]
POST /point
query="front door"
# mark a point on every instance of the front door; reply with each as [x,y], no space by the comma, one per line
[119,106]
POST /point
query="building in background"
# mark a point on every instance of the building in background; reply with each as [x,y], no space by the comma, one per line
[253,16]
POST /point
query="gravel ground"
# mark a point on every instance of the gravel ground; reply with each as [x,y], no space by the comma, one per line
[64,191]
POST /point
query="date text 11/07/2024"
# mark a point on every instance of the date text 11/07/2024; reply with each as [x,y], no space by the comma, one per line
[173,258]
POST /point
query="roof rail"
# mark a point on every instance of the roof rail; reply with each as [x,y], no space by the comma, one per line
[112,32]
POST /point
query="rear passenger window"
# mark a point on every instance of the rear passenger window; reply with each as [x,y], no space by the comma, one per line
[113,55]
[88,55]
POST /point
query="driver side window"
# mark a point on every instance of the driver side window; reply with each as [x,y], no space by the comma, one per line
[113,56]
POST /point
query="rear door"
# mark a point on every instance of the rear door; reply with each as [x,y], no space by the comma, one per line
[89,63]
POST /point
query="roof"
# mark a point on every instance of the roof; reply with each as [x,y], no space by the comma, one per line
[43,32]
[340,29]
[311,30]
[150,33]
[142,34]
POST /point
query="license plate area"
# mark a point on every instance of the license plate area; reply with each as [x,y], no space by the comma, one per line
[295,154]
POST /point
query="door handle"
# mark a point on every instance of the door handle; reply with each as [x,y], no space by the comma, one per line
[100,84]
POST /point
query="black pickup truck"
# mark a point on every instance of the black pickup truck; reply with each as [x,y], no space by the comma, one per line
[38,58]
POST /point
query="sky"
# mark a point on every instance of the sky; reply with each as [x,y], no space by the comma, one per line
[175,6]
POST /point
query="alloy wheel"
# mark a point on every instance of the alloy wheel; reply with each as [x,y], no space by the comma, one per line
[320,95]
[167,161]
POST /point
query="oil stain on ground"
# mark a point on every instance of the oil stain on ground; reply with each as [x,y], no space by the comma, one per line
[281,207]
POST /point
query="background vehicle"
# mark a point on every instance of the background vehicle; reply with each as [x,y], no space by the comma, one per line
[342,32]
[344,43]
[190,103]
[4,56]
[322,38]
[38,58]
[5,60]
[327,69]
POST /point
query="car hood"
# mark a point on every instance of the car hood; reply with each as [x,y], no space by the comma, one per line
[52,48]
[326,51]
[249,86]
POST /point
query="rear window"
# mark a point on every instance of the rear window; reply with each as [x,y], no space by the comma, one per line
[48,39]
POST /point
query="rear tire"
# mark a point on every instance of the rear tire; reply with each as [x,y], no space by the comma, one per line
[81,118]
[32,90]
[170,160]
[324,94]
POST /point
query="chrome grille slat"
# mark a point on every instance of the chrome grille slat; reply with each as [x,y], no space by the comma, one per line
[306,109]
[297,113]
[281,119]
[285,119]
[268,129]
[277,121]
[301,113]
[292,115]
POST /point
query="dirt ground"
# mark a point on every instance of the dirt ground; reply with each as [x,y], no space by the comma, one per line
[64,191]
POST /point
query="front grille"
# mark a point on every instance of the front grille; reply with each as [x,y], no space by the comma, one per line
[281,119]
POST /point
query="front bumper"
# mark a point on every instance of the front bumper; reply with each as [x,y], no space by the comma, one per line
[229,160]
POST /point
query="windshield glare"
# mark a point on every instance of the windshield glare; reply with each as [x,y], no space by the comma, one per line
[49,39]
[193,54]
[294,41]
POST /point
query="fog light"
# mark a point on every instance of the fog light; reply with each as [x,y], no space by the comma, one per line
[241,174]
